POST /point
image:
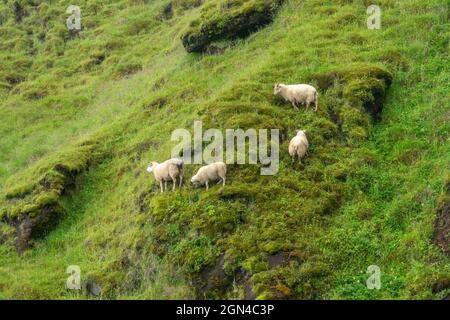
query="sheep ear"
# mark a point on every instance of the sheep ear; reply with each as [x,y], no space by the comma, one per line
[150,168]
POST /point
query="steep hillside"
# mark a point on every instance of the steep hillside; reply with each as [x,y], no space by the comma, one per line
[84,112]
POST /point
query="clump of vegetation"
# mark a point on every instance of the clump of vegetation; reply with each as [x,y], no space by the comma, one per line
[127,66]
[227,20]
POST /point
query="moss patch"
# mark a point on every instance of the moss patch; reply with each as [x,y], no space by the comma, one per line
[227,20]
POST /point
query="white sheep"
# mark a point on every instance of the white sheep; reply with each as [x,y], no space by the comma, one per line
[298,146]
[213,172]
[169,170]
[298,94]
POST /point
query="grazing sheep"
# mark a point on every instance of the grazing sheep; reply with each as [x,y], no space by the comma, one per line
[298,93]
[169,170]
[212,172]
[299,146]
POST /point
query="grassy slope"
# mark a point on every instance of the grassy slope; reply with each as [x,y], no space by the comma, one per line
[389,203]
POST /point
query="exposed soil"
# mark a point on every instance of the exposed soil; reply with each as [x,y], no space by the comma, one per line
[278,259]
[213,278]
[441,233]
[31,228]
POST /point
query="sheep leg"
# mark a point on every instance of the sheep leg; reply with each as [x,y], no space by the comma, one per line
[223,182]
[307,105]
[161,186]
[295,106]
[165,185]
[207,185]
[316,102]
[181,180]
[174,180]
[220,180]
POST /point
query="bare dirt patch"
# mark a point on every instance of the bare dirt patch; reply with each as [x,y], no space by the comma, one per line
[441,233]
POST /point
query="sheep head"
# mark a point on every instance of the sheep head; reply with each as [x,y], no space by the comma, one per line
[195,181]
[151,166]
[277,88]
[301,133]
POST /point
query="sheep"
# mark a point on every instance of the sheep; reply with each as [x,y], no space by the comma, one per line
[212,172]
[169,170]
[298,93]
[298,146]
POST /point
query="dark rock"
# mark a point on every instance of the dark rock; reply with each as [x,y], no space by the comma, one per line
[92,288]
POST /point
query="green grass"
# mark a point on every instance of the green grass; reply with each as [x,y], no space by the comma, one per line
[104,103]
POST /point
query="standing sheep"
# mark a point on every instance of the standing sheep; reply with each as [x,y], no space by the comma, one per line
[298,93]
[212,172]
[169,170]
[299,146]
